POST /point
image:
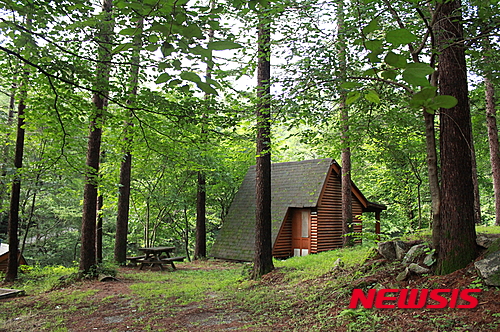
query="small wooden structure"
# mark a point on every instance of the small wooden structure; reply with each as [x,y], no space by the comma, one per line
[157,256]
[306,212]
[4,257]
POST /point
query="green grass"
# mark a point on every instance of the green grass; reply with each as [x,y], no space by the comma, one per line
[35,280]
[488,229]
[183,286]
[312,266]
[303,293]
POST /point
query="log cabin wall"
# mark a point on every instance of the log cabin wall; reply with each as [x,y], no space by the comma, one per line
[283,245]
[329,218]
[314,231]
[4,261]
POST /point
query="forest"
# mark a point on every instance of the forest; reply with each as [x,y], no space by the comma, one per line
[127,124]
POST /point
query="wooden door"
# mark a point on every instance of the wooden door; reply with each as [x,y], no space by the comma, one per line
[301,229]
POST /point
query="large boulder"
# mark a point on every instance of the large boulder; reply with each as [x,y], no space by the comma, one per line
[387,250]
[393,250]
[400,249]
[487,240]
[489,269]
[416,253]
[417,269]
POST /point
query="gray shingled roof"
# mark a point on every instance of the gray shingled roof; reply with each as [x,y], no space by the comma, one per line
[293,184]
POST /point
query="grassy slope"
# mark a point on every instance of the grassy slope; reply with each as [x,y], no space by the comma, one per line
[303,293]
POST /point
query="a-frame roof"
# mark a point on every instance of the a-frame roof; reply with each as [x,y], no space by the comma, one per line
[293,185]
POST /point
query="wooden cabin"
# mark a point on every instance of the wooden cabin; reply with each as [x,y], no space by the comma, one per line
[4,257]
[306,212]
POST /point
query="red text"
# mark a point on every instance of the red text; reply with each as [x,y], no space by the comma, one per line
[414,298]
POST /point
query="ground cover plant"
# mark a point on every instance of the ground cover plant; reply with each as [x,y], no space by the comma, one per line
[310,293]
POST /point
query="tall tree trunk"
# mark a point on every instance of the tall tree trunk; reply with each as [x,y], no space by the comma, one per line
[98,234]
[88,233]
[6,147]
[433,173]
[29,221]
[347,227]
[491,124]
[200,248]
[457,235]
[263,260]
[475,183]
[126,164]
[13,226]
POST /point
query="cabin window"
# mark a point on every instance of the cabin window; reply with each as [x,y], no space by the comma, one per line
[305,223]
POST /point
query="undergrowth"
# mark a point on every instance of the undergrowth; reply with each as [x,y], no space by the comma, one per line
[308,293]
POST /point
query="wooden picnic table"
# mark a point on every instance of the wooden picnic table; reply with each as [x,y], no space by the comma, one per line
[158,256]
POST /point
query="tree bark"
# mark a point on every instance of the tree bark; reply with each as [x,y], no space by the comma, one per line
[491,123]
[88,232]
[263,260]
[6,147]
[126,164]
[200,250]
[457,236]
[347,227]
[13,225]
[433,172]
[98,235]
[123,209]
[475,184]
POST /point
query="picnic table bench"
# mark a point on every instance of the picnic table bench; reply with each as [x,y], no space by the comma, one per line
[133,259]
[158,256]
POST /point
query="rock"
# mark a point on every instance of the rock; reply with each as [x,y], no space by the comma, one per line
[415,253]
[494,246]
[106,278]
[338,262]
[429,260]
[387,250]
[417,269]
[403,275]
[337,265]
[400,248]
[489,269]
[486,240]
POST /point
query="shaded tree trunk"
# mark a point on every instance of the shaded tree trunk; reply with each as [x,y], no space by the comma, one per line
[491,123]
[98,236]
[433,173]
[6,147]
[263,260]
[121,234]
[88,232]
[122,217]
[457,236]
[13,226]
[475,184]
[200,250]
[347,227]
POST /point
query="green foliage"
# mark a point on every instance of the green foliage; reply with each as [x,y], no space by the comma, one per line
[177,132]
[400,37]
[38,279]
